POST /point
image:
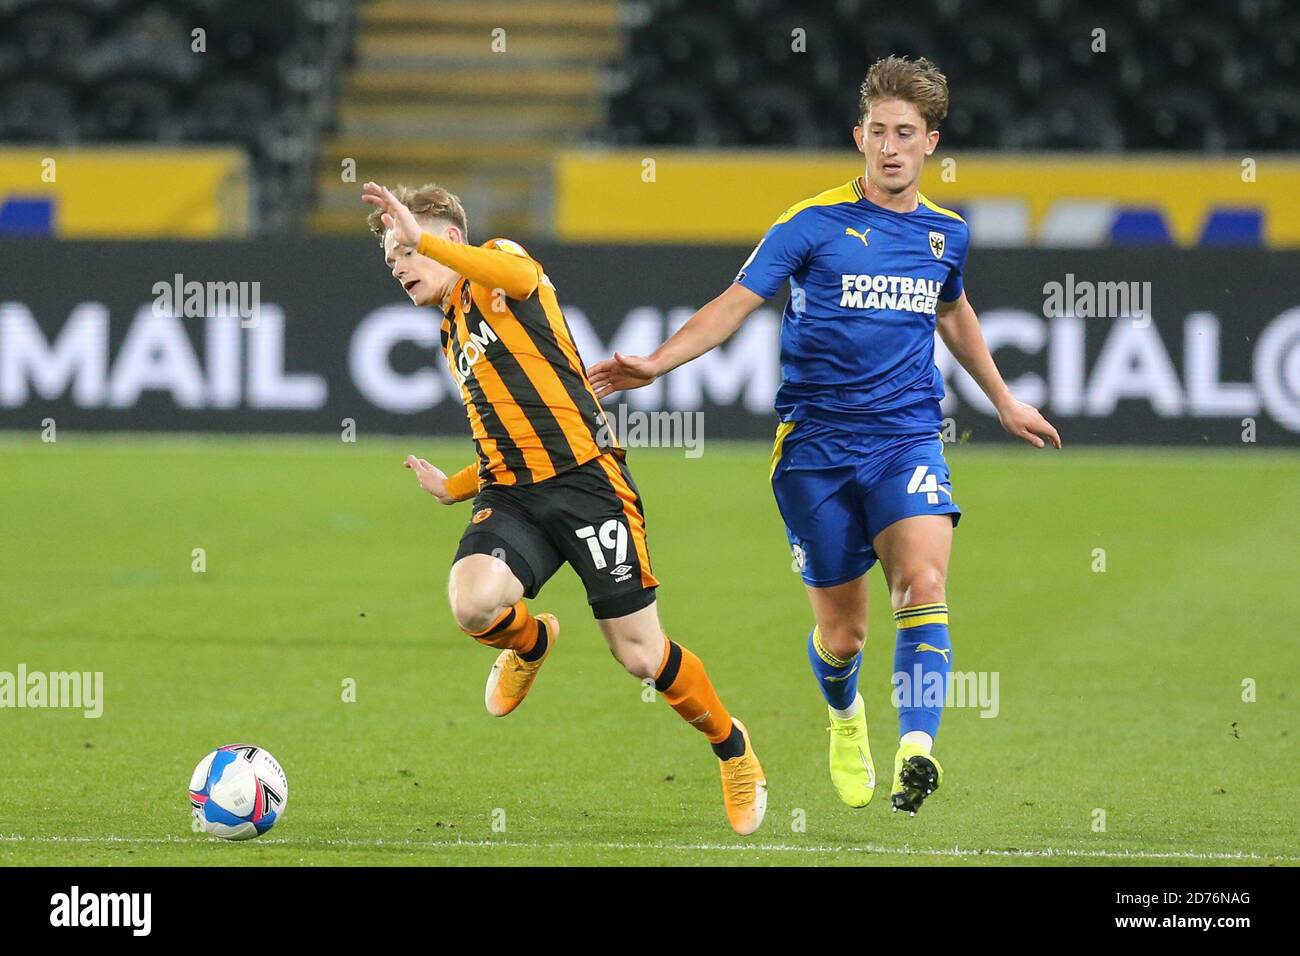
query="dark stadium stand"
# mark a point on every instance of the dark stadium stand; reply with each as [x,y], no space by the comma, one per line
[1204,75]
[427,94]
[124,71]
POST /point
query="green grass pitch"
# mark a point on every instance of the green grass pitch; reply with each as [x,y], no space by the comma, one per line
[1120,692]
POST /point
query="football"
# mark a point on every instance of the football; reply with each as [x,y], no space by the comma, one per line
[238,792]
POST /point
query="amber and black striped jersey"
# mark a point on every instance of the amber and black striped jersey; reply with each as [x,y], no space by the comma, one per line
[531,410]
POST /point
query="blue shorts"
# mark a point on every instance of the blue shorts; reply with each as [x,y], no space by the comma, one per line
[838,490]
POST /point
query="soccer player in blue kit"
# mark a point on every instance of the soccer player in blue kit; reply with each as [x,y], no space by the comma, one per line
[858,468]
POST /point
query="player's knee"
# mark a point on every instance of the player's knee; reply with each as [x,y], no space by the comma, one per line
[844,638]
[475,605]
[921,585]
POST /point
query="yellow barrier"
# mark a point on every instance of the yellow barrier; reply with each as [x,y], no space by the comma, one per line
[693,195]
[132,192]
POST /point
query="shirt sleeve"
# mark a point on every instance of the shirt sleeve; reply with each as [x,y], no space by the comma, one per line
[955,285]
[499,264]
[464,484]
[779,255]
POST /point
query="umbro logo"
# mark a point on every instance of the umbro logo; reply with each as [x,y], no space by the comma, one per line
[621,570]
[848,231]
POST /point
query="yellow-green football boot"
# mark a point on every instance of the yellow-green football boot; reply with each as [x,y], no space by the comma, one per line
[852,770]
[917,774]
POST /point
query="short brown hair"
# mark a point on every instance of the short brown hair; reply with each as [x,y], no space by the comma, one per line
[918,82]
[430,201]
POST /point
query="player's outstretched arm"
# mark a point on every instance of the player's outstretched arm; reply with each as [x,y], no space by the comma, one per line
[396,217]
[707,328]
[458,487]
[959,327]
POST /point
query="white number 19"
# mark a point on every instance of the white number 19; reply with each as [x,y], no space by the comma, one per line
[612,535]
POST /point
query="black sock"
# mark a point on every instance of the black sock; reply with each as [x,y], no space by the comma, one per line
[733,746]
[538,649]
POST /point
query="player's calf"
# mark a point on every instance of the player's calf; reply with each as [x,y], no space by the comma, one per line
[486,600]
[682,680]
[516,668]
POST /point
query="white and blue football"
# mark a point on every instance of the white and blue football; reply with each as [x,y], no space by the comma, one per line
[238,792]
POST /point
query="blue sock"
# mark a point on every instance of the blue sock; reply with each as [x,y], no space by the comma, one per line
[922,666]
[837,678]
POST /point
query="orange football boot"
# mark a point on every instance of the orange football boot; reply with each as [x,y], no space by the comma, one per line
[744,788]
[511,677]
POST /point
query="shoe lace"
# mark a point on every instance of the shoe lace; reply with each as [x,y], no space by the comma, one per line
[514,671]
[739,773]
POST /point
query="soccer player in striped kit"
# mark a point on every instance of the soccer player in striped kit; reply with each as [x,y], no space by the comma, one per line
[858,472]
[550,484]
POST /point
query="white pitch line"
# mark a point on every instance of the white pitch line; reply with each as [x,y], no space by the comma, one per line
[956,852]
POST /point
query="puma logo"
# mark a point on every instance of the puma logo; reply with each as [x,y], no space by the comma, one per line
[943,651]
[861,235]
[845,676]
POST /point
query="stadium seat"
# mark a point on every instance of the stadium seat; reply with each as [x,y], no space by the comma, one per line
[1277,44]
[154,45]
[982,117]
[1160,55]
[775,115]
[125,71]
[132,109]
[674,114]
[13,65]
[1080,117]
[689,46]
[864,43]
[1001,50]
[1273,116]
[52,34]
[1189,53]
[1175,118]
[37,111]
[229,111]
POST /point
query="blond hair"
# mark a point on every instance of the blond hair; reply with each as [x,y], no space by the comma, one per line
[918,82]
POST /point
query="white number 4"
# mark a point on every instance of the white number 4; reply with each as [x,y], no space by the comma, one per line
[613,535]
[923,482]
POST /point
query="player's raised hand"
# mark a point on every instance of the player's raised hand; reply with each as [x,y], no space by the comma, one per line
[620,373]
[1027,423]
[432,479]
[396,217]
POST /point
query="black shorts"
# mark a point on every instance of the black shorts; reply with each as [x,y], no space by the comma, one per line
[589,516]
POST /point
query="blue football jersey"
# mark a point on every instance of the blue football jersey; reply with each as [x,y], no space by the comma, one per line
[857,335]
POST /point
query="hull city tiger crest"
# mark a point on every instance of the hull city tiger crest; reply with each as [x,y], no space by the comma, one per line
[936,244]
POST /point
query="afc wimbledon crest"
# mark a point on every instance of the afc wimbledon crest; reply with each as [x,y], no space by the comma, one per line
[936,244]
